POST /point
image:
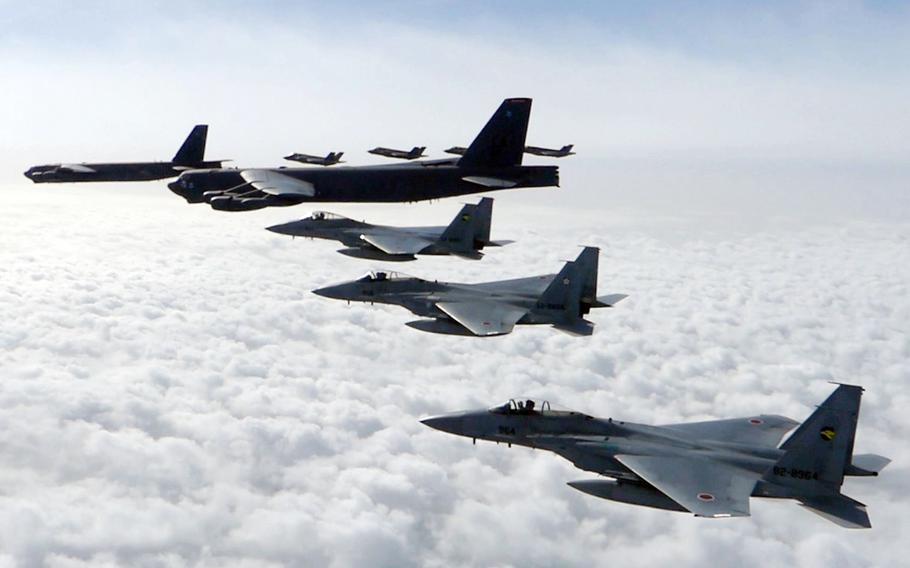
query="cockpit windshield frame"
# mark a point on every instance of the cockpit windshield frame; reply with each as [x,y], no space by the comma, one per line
[327,216]
[383,276]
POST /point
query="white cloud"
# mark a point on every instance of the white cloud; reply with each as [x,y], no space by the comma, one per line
[174,395]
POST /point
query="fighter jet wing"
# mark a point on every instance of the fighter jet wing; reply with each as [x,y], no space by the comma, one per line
[274,183]
[765,430]
[483,318]
[704,487]
[396,244]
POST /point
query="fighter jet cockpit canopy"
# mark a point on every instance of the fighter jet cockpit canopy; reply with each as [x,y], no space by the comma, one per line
[529,406]
[327,216]
[383,275]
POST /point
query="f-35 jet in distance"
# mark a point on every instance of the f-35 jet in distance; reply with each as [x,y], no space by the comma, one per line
[189,156]
[490,308]
[412,154]
[330,159]
[536,150]
[492,162]
[465,236]
[709,468]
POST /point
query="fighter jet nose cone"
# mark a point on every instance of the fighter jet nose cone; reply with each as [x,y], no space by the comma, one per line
[334,292]
[450,424]
[294,229]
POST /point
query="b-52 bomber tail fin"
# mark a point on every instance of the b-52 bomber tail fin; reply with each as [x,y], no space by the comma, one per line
[469,231]
[501,142]
[192,152]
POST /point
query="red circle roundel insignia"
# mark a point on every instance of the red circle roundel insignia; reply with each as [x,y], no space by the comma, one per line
[705,497]
[756,421]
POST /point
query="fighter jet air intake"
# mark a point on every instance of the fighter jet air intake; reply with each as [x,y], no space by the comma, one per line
[710,469]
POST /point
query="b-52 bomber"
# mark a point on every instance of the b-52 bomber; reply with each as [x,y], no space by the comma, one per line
[709,468]
[189,156]
[465,236]
[492,162]
[536,150]
[490,308]
[329,159]
[412,154]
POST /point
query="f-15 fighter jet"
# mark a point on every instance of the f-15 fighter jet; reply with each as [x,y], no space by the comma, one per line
[490,308]
[330,159]
[189,156]
[412,154]
[706,468]
[492,162]
[465,236]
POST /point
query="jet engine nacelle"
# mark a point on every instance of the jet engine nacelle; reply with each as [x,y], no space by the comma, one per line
[371,254]
[627,492]
[228,203]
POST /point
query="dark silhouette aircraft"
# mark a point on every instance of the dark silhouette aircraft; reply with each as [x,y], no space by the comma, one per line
[488,308]
[710,469]
[536,150]
[412,154]
[550,152]
[189,156]
[330,159]
[493,161]
[465,236]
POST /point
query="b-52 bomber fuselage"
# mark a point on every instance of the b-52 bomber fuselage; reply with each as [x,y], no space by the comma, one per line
[709,468]
[492,162]
[189,156]
[489,308]
[465,236]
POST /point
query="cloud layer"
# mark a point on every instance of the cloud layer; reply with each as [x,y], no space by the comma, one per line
[173,395]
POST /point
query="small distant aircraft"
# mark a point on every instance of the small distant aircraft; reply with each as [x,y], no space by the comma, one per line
[465,236]
[490,308]
[706,468]
[330,159]
[413,154]
[536,150]
[549,152]
[189,156]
